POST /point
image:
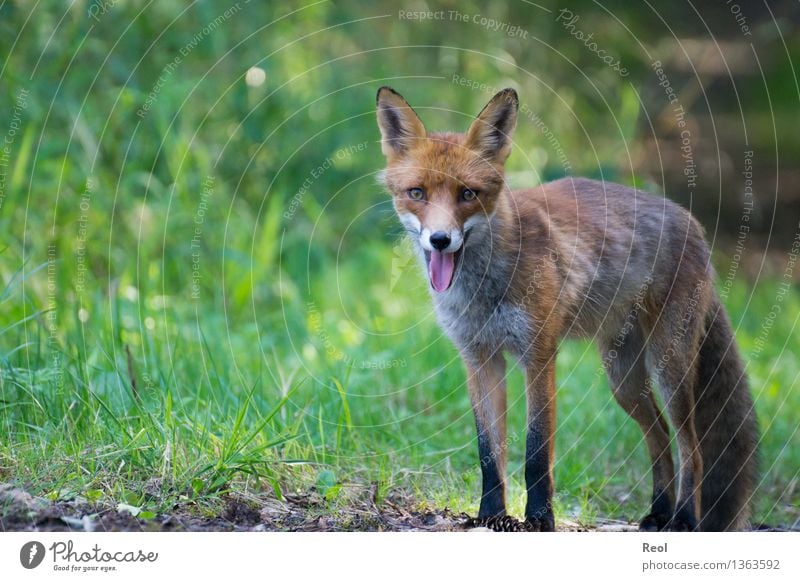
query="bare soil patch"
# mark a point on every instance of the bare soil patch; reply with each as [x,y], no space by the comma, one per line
[20,511]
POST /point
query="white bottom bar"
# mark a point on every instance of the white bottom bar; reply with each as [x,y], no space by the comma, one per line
[353,556]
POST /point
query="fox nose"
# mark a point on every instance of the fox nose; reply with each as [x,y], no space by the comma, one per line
[440,240]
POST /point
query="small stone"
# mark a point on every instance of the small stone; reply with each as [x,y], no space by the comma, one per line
[73,522]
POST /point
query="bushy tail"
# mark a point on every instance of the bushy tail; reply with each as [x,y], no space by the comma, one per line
[726,427]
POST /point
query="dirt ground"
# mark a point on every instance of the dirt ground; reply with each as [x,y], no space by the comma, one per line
[19,511]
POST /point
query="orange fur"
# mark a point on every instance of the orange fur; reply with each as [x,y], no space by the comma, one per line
[575,257]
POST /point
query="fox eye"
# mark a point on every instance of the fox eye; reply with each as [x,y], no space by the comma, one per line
[416,194]
[468,195]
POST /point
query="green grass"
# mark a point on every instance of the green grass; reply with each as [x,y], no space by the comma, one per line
[361,387]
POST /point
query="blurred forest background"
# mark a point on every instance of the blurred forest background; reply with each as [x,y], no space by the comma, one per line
[203,288]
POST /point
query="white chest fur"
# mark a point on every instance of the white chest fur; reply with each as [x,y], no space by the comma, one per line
[477,313]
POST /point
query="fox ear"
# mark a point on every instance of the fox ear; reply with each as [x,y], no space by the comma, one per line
[400,126]
[490,134]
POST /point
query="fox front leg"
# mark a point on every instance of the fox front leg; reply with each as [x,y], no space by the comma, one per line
[487,389]
[539,447]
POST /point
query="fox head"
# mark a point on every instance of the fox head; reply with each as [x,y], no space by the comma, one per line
[445,186]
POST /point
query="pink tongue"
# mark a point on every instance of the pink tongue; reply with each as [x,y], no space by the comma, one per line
[441,270]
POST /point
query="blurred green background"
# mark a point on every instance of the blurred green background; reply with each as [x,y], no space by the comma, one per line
[204,289]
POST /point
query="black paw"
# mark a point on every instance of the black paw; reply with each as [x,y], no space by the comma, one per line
[544,524]
[654,522]
[682,522]
[680,526]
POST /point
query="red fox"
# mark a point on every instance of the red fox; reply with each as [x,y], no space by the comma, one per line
[516,271]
